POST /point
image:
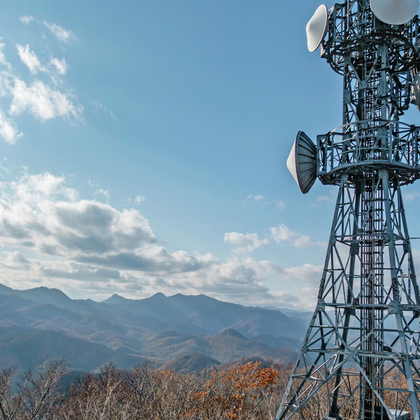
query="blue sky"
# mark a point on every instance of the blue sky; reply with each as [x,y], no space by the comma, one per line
[143,149]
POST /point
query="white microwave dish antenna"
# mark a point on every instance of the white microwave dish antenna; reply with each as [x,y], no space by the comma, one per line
[302,162]
[317,27]
[394,12]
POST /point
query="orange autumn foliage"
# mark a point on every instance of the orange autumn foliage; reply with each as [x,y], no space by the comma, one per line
[232,394]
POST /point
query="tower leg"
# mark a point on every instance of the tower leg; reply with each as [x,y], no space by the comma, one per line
[362,345]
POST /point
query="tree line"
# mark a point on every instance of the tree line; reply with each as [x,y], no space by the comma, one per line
[246,392]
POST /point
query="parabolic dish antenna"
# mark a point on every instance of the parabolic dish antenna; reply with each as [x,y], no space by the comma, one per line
[316,27]
[394,12]
[302,162]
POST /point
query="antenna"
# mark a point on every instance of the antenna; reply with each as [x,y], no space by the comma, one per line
[361,353]
[394,12]
[302,162]
[316,28]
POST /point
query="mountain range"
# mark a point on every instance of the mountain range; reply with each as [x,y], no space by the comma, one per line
[178,332]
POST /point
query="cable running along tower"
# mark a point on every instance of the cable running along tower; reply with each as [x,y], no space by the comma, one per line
[361,353]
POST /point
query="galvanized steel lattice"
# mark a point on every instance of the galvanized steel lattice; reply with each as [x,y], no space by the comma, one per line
[363,340]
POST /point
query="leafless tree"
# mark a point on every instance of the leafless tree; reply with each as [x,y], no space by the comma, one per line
[35,396]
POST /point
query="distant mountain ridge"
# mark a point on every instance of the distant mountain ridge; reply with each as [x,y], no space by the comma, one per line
[47,324]
[212,315]
[30,348]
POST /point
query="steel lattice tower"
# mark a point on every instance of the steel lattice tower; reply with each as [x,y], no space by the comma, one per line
[363,340]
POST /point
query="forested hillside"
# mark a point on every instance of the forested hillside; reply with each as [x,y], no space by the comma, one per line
[42,324]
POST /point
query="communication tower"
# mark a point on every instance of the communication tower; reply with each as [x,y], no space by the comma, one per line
[362,349]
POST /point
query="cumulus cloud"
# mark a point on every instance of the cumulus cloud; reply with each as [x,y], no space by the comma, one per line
[95,243]
[234,278]
[307,274]
[95,228]
[139,199]
[56,238]
[246,243]
[42,101]
[244,281]
[80,272]
[16,261]
[63,35]
[30,59]
[283,234]
[40,212]
[87,240]
[150,260]
[35,188]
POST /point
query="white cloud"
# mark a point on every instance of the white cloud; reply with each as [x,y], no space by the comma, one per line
[155,260]
[307,274]
[56,238]
[42,101]
[234,278]
[246,243]
[60,65]
[329,198]
[37,188]
[244,281]
[258,197]
[30,59]
[16,261]
[26,19]
[91,242]
[283,234]
[138,199]
[63,35]
[75,271]
[9,130]
[40,212]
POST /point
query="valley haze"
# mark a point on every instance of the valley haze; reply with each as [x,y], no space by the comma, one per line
[184,332]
